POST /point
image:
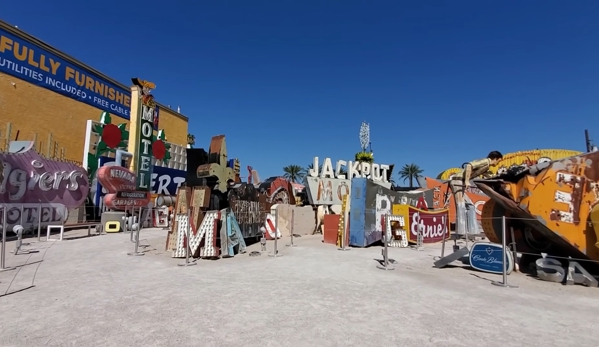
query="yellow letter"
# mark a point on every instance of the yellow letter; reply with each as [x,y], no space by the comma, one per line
[54,66]
[22,55]
[69,73]
[5,44]
[43,63]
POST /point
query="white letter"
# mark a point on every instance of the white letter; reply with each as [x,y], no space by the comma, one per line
[340,163]
[142,178]
[354,170]
[163,182]
[365,169]
[146,130]
[314,170]
[145,164]
[146,146]
[382,208]
[327,169]
[384,169]
[376,172]
[179,181]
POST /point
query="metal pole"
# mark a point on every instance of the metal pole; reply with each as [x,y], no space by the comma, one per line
[139,220]
[385,265]
[444,240]
[291,229]
[125,221]
[21,215]
[276,250]
[39,223]
[187,233]
[135,233]
[4,227]
[3,245]
[132,223]
[504,254]
[466,222]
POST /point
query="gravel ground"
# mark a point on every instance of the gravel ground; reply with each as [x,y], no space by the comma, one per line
[89,292]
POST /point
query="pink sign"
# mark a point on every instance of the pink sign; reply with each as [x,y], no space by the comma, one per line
[29,178]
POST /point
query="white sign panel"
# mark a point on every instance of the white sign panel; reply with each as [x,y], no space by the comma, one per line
[375,172]
[327,191]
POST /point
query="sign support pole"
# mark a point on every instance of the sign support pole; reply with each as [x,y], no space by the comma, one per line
[275,253]
[291,229]
[135,233]
[386,264]
[39,223]
[3,246]
[504,255]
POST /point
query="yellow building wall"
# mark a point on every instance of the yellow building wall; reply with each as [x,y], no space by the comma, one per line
[31,109]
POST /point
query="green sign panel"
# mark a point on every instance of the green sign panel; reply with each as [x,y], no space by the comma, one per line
[144,153]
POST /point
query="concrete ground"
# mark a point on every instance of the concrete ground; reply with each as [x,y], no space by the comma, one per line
[89,292]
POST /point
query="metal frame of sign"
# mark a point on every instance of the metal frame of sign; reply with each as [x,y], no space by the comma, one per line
[389,233]
[509,257]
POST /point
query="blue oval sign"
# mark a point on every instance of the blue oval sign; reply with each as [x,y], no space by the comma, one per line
[488,257]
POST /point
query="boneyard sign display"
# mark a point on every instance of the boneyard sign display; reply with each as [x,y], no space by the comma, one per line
[375,172]
[550,269]
[30,182]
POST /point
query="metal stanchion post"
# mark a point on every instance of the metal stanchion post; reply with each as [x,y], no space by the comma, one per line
[135,233]
[125,221]
[445,231]
[291,229]
[504,283]
[275,253]
[385,265]
[3,245]
[21,212]
[187,247]
[39,223]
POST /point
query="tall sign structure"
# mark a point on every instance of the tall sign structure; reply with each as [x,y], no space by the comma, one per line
[143,112]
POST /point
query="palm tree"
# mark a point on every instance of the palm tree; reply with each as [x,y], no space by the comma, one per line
[410,172]
[294,173]
[191,140]
[363,156]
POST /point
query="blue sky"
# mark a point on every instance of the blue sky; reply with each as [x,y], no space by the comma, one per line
[290,80]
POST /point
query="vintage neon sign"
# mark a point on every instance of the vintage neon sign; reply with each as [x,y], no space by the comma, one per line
[147,113]
[432,224]
[550,269]
[121,185]
[29,178]
[375,172]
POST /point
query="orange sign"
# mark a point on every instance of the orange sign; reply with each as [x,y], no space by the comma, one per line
[442,197]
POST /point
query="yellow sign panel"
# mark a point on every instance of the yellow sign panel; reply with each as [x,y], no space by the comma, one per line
[520,158]
[402,210]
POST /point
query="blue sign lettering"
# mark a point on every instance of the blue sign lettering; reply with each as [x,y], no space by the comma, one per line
[488,257]
[31,63]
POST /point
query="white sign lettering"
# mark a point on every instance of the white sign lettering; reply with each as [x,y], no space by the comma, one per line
[375,172]
[50,214]
[383,208]
[46,181]
[435,227]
